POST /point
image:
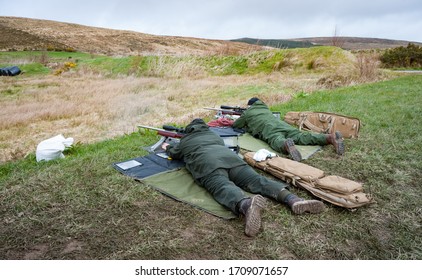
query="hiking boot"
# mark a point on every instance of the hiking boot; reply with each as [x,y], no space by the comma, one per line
[336,140]
[253,215]
[290,148]
[307,206]
[300,206]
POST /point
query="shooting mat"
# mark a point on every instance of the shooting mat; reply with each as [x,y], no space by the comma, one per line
[171,178]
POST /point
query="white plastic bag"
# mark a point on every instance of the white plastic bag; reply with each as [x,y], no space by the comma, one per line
[53,148]
[263,154]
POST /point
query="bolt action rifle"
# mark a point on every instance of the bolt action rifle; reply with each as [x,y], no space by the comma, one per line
[169,134]
[227,110]
[239,110]
[235,110]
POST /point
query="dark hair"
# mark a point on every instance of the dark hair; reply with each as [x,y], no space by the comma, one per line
[252,101]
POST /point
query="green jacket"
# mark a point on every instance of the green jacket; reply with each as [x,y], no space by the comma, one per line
[203,151]
[259,121]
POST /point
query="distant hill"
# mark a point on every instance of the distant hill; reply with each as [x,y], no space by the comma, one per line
[34,34]
[348,43]
[356,43]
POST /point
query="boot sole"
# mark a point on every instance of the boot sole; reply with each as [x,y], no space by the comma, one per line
[292,151]
[339,143]
[253,215]
[308,206]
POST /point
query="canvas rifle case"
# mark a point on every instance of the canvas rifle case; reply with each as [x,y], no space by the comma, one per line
[334,189]
[323,122]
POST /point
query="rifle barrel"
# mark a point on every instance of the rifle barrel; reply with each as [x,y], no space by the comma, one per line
[151,127]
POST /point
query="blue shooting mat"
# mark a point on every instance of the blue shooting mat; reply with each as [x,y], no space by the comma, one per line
[142,167]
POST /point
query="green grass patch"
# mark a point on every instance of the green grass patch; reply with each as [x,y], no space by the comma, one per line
[48,56]
[302,60]
[109,65]
[34,69]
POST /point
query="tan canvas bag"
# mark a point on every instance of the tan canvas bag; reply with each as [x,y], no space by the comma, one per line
[334,189]
[322,122]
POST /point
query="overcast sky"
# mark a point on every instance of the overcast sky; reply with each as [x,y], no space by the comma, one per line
[231,19]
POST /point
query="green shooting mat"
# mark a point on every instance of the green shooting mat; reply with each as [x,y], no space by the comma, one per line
[179,185]
[171,178]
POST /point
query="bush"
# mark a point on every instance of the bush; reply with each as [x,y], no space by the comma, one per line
[367,66]
[406,57]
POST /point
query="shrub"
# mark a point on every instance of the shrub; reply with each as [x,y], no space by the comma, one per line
[66,67]
[407,57]
[367,66]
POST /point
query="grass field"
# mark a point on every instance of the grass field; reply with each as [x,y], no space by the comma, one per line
[81,208]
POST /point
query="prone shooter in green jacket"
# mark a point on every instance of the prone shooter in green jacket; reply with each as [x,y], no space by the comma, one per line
[259,121]
[226,176]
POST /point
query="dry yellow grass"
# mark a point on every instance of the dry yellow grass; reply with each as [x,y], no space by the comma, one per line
[90,107]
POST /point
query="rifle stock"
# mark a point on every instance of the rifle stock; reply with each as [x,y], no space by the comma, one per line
[169,134]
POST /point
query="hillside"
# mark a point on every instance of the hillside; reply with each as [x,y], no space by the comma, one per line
[34,34]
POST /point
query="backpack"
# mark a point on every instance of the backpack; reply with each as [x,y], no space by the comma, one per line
[323,122]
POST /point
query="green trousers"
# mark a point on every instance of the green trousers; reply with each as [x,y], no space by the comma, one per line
[283,131]
[227,186]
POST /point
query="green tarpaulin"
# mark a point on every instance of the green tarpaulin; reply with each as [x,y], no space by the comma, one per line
[180,185]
